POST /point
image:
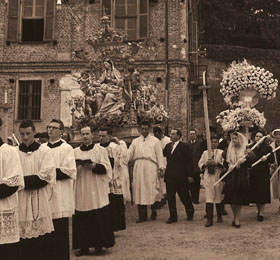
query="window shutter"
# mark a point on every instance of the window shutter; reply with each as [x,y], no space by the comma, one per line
[13,8]
[49,20]
[143,19]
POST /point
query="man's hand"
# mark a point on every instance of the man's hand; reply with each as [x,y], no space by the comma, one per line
[263,159]
[190,180]
[161,172]
[90,165]
[131,163]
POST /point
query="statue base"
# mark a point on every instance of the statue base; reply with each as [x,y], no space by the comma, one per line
[125,133]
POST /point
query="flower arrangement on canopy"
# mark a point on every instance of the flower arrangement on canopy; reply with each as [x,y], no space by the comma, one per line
[241,76]
[234,119]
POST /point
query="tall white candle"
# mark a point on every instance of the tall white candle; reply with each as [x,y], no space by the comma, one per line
[204,78]
[6,97]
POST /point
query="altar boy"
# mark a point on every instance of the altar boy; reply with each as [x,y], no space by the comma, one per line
[212,168]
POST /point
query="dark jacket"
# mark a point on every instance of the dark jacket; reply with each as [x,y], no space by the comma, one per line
[196,152]
[179,163]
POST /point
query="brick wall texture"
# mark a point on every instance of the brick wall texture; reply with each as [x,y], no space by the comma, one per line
[49,61]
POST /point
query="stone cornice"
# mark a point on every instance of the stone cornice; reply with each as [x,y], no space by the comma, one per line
[67,67]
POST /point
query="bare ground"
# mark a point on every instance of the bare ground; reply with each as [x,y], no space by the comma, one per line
[155,240]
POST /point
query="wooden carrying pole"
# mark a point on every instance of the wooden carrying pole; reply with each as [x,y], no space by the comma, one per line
[240,160]
[274,173]
[206,116]
[266,156]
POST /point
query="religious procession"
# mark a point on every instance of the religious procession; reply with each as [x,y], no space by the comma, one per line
[144,129]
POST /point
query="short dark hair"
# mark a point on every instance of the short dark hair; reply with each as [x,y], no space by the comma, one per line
[157,129]
[85,126]
[178,131]
[255,133]
[61,125]
[146,122]
[26,124]
[107,129]
[214,137]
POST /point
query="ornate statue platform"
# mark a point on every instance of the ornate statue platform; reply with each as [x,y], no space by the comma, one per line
[126,133]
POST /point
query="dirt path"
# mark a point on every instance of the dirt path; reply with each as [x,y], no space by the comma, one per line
[155,240]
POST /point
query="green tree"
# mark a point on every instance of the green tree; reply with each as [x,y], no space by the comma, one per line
[249,23]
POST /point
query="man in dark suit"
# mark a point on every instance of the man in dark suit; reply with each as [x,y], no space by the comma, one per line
[195,148]
[178,175]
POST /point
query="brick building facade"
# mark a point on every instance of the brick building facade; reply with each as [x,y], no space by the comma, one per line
[26,61]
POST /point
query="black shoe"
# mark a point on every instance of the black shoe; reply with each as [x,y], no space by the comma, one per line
[209,223]
[139,220]
[237,226]
[99,251]
[196,202]
[82,252]
[171,220]
[233,223]
[190,218]
[153,215]
[260,218]
[224,213]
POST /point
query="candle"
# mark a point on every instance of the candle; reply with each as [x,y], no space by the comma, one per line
[204,78]
[6,97]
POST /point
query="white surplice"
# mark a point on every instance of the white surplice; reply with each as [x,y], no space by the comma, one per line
[124,172]
[91,190]
[212,194]
[35,216]
[148,158]
[62,193]
[11,175]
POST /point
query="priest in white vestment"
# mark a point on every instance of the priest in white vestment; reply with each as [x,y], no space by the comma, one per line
[115,155]
[92,222]
[145,153]
[62,200]
[11,181]
[35,216]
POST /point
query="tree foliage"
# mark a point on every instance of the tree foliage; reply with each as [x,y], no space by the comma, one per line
[249,23]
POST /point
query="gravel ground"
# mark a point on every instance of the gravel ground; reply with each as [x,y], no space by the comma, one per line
[155,240]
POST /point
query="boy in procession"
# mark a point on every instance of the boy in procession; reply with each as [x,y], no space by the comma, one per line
[62,194]
[35,216]
[92,222]
[212,168]
[11,181]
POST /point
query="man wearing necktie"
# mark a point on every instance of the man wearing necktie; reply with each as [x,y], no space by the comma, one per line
[178,175]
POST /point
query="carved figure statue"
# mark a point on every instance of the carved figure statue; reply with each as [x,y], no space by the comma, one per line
[109,90]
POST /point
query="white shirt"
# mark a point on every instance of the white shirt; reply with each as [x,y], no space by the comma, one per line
[174,146]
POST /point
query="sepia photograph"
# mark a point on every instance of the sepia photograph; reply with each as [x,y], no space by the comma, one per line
[139,129]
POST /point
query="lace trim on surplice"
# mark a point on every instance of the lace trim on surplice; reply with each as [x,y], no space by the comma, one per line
[9,230]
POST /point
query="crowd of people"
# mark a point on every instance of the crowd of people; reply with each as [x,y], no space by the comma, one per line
[44,183]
